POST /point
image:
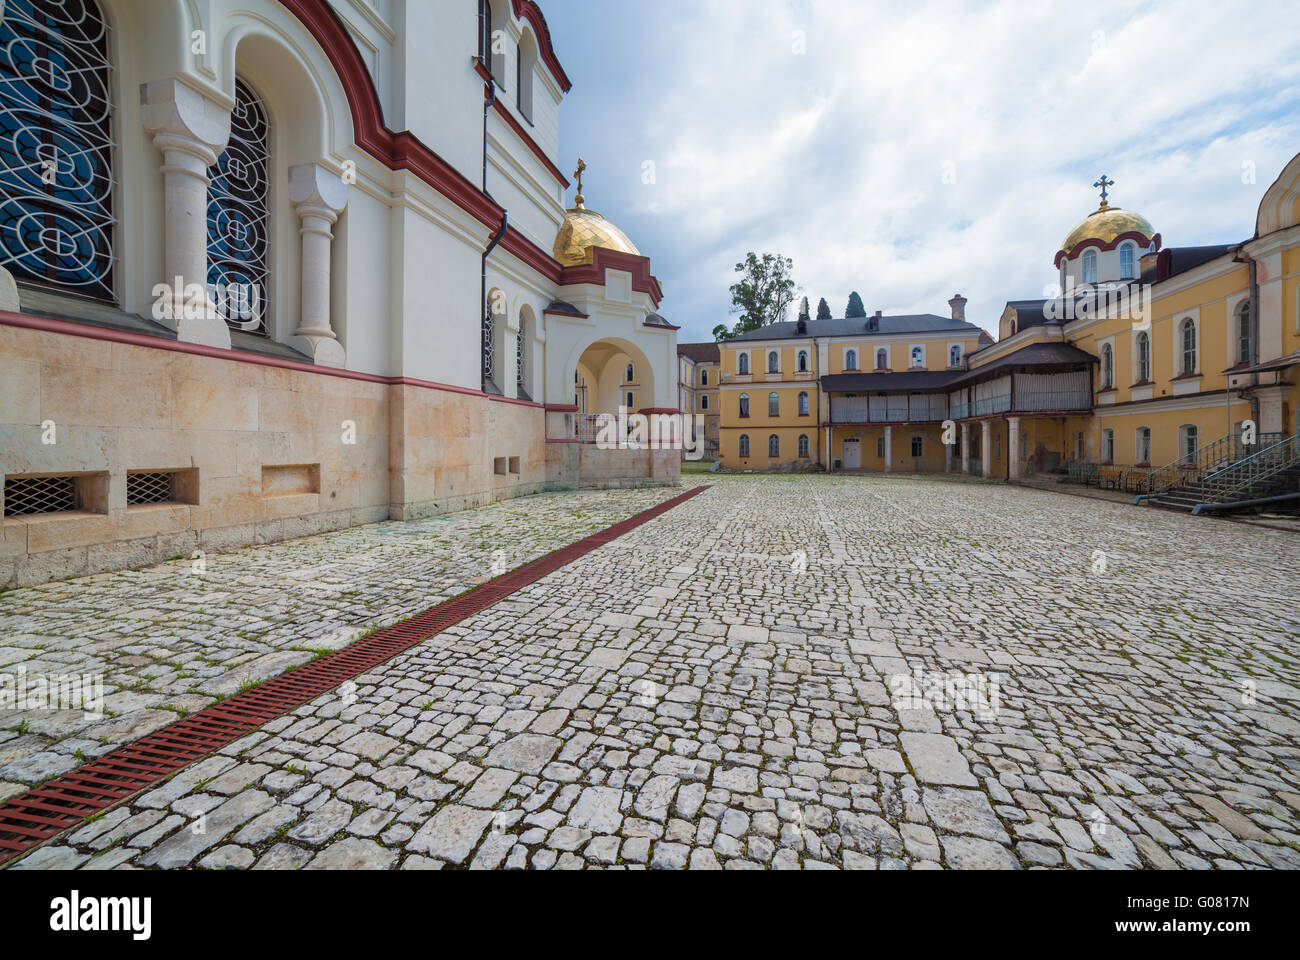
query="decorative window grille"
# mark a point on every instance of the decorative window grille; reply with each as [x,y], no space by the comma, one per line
[803,446]
[142,488]
[56,174]
[773,405]
[519,358]
[238,217]
[28,495]
[774,446]
[489,350]
[744,444]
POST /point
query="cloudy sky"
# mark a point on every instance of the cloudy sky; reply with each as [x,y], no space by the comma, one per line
[911,151]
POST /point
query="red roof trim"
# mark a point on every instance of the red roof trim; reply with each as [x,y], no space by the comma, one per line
[404,151]
[530,11]
[1129,235]
[642,280]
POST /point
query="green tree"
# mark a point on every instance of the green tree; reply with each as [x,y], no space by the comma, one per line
[855,307]
[722,332]
[823,309]
[763,293]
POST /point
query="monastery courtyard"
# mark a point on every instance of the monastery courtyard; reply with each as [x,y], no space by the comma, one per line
[711,690]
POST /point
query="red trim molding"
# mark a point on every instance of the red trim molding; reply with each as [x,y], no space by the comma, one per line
[561,408]
[518,127]
[658,410]
[602,259]
[1141,238]
[530,11]
[70,329]
[530,143]
[404,151]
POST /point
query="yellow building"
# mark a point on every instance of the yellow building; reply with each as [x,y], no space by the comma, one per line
[800,393]
[1155,367]
[698,375]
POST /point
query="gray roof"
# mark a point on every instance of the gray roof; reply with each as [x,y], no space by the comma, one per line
[857,327]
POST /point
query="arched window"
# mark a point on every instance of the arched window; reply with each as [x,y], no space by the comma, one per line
[704,402]
[526,65]
[803,361]
[954,356]
[744,404]
[56,176]
[704,378]
[742,365]
[1244,343]
[1126,266]
[1142,449]
[803,446]
[918,356]
[851,360]
[491,42]
[803,404]
[631,400]
[744,444]
[774,446]
[773,361]
[238,218]
[1107,366]
[1143,357]
[1187,330]
[882,359]
[1090,266]
[773,405]
[630,373]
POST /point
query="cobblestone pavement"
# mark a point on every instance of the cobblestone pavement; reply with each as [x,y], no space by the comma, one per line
[170,640]
[720,689]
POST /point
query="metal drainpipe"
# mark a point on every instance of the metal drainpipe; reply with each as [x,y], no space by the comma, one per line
[1254,332]
[488,103]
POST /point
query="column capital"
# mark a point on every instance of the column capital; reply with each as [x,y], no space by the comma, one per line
[182,118]
[316,191]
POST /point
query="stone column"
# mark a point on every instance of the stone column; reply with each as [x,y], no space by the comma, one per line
[191,130]
[947,457]
[986,447]
[1013,447]
[965,448]
[318,197]
[889,449]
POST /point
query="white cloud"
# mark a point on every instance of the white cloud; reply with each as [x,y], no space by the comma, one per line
[836,157]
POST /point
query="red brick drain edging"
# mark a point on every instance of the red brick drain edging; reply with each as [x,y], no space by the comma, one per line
[57,805]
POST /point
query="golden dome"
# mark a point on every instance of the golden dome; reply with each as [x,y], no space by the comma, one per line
[1105,224]
[584,229]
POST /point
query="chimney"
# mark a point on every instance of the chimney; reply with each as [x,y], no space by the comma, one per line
[873,322]
[958,304]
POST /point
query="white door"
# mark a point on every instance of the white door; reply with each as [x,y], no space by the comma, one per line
[851,455]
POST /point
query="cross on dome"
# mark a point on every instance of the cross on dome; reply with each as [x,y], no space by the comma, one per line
[1104,182]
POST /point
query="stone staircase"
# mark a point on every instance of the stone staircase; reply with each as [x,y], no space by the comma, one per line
[1272,471]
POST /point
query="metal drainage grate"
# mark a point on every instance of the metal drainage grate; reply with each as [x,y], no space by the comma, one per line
[57,805]
[29,495]
[148,488]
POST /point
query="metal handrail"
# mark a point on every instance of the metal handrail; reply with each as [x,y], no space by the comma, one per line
[1222,485]
[1220,453]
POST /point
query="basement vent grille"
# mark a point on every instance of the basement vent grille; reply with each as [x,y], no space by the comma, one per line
[29,495]
[148,488]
